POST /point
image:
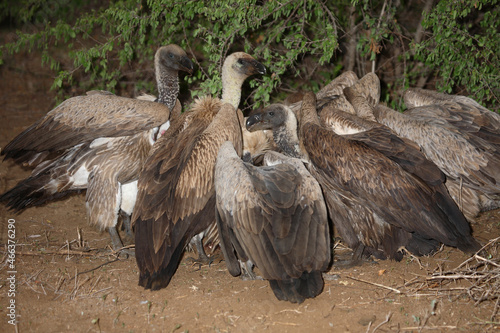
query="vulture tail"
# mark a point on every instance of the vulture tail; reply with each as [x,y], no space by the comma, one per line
[458,224]
[309,285]
[33,191]
[149,277]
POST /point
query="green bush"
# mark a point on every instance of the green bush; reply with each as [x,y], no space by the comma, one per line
[463,47]
[304,44]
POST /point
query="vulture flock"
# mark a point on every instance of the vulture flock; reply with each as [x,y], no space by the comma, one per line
[269,188]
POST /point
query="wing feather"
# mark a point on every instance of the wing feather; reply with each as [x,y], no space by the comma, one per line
[281,229]
[356,171]
[85,118]
[176,193]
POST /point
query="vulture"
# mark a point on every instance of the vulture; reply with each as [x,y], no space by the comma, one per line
[466,151]
[376,205]
[460,111]
[275,217]
[97,142]
[332,94]
[176,198]
[255,145]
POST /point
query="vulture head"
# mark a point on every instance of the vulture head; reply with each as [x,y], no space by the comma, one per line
[282,121]
[173,57]
[256,144]
[244,65]
[273,116]
[236,69]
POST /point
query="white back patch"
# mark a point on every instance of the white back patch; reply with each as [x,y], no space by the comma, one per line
[99,142]
[345,130]
[81,177]
[129,197]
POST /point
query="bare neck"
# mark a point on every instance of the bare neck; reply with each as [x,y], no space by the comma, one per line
[286,137]
[231,87]
[168,86]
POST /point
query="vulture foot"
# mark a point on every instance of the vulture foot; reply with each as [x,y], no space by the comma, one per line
[126,225]
[358,257]
[203,258]
[247,273]
[117,244]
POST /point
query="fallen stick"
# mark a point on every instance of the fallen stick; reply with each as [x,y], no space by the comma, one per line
[376,284]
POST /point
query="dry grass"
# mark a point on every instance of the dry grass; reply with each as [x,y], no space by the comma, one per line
[69,285]
[477,278]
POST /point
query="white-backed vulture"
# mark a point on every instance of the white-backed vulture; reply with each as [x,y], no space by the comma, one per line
[376,205]
[176,198]
[462,150]
[460,111]
[97,142]
[332,93]
[255,145]
[274,216]
[383,242]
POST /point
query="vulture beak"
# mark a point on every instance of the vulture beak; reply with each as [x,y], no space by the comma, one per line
[252,121]
[187,65]
[259,68]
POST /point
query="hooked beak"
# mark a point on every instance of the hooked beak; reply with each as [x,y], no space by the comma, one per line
[187,65]
[260,68]
[252,122]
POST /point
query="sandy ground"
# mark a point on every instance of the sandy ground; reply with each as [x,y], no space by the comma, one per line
[66,281]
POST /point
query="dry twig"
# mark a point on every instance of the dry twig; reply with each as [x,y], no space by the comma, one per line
[477,278]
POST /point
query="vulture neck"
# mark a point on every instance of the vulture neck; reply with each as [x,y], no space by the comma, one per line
[360,104]
[286,137]
[415,97]
[168,86]
[231,86]
[390,118]
[307,114]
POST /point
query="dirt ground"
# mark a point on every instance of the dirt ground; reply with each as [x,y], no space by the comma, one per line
[65,281]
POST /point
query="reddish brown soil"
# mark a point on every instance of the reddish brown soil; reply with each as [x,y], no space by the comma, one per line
[62,286]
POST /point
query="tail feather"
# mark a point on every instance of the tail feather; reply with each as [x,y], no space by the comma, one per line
[308,285]
[31,192]
[421,246]
[161,278]
[459,226]
[156,276]
[52,179]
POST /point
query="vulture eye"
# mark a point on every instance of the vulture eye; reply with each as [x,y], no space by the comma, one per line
[170,55]
[271,113]
[240,61]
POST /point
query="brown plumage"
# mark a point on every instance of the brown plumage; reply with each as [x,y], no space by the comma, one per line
[274,216]
[97,142]
[381,138]
[460,111]
[466,151]
[176,199]
[376,205]
[256,144]
[469,117]
[332,93]
[100,114]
